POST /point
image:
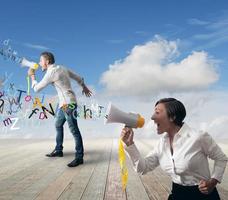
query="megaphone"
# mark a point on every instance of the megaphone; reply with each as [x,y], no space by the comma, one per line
[114,115]
[30,64]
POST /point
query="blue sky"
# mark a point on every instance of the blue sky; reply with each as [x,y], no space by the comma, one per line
[88,36]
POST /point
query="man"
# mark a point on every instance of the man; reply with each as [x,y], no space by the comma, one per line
[60,77]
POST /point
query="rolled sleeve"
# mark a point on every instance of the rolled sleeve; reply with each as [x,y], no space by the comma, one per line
[37,86]
[34,82]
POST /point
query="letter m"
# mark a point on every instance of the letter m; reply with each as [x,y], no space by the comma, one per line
[7,121]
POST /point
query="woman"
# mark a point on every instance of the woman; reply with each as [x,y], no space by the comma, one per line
[182,153]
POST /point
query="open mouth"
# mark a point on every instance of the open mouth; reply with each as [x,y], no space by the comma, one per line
[158,125]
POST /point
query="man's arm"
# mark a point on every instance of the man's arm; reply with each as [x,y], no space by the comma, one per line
[37,86]
[76,77]
[80,80]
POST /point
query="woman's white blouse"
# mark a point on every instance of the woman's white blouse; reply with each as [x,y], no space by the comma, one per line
[189,162]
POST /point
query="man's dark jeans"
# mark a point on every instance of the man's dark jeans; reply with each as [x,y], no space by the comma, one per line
[70,115]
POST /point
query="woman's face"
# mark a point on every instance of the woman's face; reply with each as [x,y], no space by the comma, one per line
[161,119]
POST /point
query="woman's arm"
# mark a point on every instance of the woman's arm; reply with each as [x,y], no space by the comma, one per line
[140,164]
[214,152]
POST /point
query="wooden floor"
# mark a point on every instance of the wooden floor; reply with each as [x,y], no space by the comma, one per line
[25,173]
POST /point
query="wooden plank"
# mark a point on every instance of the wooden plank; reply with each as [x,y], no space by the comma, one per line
[48,173]
[77,185]
[29,181]
[135,188]
[40,182]
[20,175]
[22,180]
[34,176]
[61,186]
[114,187]
[13,146]
[18,190]
[96,186]
[20,163]
[79,182]
[9,159]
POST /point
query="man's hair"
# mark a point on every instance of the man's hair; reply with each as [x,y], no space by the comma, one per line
[175,110]
[49,56]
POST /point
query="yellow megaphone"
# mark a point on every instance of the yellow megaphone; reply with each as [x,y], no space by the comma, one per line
[114,115]
[30,64]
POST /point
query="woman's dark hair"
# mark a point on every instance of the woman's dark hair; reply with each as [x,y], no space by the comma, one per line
[175,110]
[49,56]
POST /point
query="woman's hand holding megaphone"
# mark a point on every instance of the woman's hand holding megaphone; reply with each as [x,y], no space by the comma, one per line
[127,136]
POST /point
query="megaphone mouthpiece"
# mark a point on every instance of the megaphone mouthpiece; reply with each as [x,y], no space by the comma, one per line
[30,64]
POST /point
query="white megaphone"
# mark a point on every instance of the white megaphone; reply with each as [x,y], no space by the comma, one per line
[30,64]
[114,115]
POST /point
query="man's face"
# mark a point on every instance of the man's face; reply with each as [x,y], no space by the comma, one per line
[43,63]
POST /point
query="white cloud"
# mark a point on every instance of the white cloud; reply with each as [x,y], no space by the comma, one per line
[194,21]
[36,46]
[214,32]
[217,127]
[149,69]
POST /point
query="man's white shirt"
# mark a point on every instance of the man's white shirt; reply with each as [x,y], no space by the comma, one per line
[60,77]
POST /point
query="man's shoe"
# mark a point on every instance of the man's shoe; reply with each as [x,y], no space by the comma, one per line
[55,154]
[75,162]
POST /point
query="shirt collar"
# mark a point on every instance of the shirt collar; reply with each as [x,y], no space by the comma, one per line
[182,132]
[50,66]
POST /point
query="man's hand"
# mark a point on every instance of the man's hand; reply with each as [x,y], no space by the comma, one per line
[31,72]
[206,187]
[86,91]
